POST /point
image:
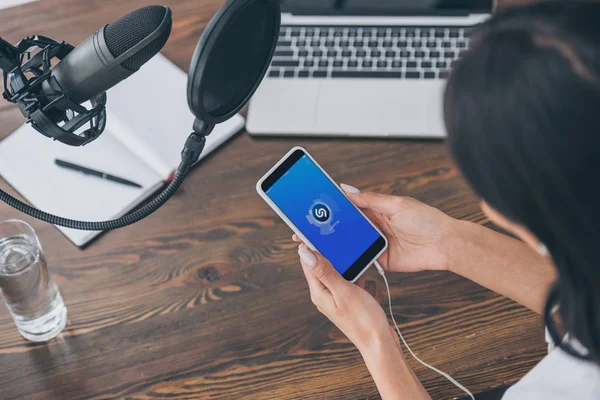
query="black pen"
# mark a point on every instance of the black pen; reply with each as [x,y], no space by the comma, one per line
[101,175]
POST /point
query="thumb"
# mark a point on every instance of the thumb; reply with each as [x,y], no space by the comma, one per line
[321,268]
[381,203]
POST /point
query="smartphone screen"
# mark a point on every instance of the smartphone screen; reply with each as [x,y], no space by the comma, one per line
[318,209]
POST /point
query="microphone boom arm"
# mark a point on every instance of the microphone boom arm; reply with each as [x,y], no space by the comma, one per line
[52,95]
[53,113]
[190,155]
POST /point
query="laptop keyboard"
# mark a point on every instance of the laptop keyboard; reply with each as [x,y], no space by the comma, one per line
[367,52]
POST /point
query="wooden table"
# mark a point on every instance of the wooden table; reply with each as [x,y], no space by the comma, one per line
[206,299]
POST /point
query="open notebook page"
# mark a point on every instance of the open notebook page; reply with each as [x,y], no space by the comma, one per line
[27,163]
[152,106]
[13,3]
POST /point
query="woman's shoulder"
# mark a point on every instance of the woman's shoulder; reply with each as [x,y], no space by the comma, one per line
[559,376]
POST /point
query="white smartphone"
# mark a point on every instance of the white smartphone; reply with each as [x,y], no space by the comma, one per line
[318,211]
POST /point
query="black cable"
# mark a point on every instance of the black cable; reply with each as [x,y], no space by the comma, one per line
[126,220]
[189,155]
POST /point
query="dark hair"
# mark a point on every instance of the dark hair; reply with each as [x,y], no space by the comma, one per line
[522,111]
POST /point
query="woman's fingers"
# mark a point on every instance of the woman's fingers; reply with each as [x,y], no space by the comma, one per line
[378,219]
[296,239]
[322,269]
[377,202]
[360,282]
[319,294]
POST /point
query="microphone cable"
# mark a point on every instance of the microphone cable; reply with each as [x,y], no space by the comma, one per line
[445,375]
[190,154]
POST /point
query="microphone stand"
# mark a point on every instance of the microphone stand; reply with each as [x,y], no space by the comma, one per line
[189,156]
[21,91]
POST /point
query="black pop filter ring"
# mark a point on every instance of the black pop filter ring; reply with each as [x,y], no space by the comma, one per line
[211,49]
[203,125]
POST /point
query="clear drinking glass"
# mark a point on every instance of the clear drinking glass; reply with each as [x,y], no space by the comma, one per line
[31,295]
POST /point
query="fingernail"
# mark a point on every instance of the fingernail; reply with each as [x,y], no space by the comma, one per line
[349,189]
[307,256]
[295,238]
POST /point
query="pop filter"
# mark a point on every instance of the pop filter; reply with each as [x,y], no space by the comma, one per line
[231,60]
[229,63]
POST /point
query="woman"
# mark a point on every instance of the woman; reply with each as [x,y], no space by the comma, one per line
[522,111]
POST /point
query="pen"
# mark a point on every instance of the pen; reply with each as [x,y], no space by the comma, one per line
[101,175]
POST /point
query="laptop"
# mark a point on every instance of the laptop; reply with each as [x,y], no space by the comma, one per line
[370,68]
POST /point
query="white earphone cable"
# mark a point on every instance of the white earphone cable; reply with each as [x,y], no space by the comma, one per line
[445,375]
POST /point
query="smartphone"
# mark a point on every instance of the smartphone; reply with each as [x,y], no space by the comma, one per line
[319,212]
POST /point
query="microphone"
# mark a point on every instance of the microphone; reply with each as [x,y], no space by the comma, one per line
[53,99]
[241,36]
[110,55]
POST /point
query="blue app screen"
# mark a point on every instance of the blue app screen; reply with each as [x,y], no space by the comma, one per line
[323,214]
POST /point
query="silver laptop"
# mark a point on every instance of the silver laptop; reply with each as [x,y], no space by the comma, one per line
[372,68]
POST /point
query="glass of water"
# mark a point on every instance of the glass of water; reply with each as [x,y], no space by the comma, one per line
[31,295]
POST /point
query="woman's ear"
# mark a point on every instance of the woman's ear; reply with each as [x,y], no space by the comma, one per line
[514,228]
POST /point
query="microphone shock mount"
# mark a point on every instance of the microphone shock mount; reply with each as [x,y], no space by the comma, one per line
[25,68]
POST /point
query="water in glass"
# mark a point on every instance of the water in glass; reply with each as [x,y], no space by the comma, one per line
[31,295]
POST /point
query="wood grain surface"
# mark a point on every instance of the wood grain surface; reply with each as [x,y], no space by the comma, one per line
[206,299]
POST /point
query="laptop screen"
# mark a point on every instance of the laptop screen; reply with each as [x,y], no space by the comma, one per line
[386,7]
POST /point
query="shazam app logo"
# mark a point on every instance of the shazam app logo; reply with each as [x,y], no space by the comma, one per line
[321,214]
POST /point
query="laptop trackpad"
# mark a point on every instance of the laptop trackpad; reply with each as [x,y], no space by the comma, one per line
[379,106]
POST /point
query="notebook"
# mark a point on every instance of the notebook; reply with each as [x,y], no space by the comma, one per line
[148,121]
[13,3]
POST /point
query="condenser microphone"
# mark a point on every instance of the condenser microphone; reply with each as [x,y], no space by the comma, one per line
[54,100]
[110,55]
[231,59]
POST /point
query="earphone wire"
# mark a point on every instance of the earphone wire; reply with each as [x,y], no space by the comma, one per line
[445,375]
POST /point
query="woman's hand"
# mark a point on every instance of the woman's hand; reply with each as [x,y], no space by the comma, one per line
[360,317]
[420,237]
[351,308]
